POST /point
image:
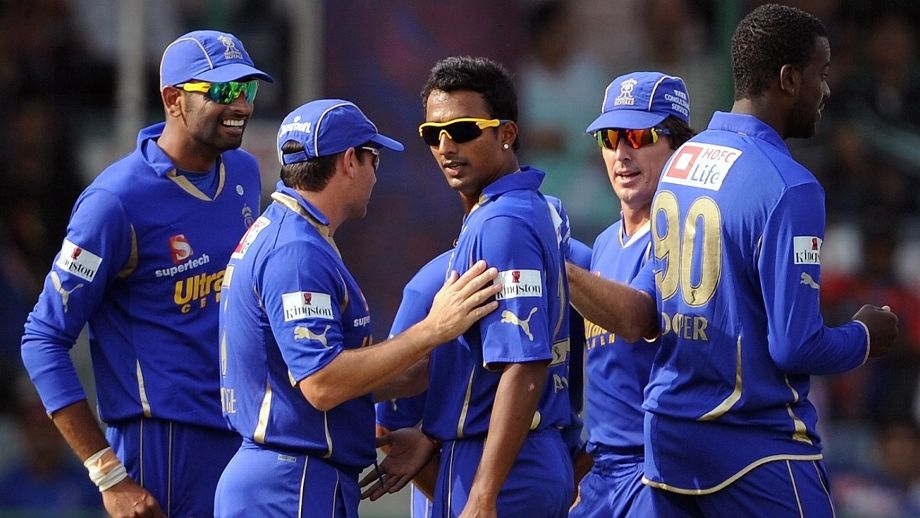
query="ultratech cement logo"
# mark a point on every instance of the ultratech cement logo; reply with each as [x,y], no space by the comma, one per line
[306,304]
[78,261]
[519,283]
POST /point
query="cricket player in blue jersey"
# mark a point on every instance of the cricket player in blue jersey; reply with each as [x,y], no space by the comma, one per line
[142,264]
[737,229]
[409,412]
[503,396]
[297,367]
[645,117]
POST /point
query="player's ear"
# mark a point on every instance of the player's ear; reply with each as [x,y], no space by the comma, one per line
[507,134]
[349,162]
[790,79]
[172,100]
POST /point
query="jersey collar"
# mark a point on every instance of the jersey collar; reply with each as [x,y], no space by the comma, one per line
[747,125]
[524,178]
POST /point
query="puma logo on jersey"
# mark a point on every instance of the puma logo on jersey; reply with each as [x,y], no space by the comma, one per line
[65,294]
[510,318]
[304,333]
[808,281]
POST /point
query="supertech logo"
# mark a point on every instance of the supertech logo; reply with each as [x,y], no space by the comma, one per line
[519,283]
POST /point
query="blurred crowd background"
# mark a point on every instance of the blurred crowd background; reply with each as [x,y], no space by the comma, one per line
[79,78]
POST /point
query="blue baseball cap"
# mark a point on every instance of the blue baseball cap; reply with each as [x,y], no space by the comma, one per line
[328,126]
[642,100]
[210,56]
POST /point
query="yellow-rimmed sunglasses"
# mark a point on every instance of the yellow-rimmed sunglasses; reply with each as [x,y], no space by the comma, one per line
[226,92]
[459,130]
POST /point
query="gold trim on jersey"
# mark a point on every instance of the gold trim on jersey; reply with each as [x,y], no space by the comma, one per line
[725,483]
[186,185]
[131,263]
[466,405]
[142,391]
[641,231]
[561,350]
[295,207]
[801,431]
[264,409]
[732,398]
[223,353]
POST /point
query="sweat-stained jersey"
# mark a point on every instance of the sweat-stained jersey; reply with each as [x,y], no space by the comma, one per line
[737,227]
[290,306]
[142,263]
[617,370]
[513,229]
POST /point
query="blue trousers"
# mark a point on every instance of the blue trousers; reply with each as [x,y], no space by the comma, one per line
[178,463]
[540,484]
[781,488]
[269,483]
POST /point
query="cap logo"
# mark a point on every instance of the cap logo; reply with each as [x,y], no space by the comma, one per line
[230,50]
[296,125]
[626,93]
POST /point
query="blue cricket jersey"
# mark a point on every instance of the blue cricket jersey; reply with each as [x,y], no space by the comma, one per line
[142,263]
[617,370]
[416,303]
[737,227]
[290,306]
[514,229]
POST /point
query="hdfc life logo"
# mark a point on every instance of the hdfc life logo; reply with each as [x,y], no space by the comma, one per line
[78,261]
[701,165]
[519,283]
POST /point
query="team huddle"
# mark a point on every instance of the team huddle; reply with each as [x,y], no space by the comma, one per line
[663,371]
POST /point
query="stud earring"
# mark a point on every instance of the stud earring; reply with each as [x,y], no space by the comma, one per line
[505,146]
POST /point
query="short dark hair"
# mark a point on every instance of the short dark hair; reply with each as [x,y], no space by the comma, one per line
[680,130]
[314,174]
[767,38]
[310,175]
[481,75]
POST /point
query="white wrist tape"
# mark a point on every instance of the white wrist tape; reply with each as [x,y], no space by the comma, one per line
[105,470]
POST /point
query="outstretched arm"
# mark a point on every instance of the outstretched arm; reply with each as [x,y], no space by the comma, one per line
[617,307]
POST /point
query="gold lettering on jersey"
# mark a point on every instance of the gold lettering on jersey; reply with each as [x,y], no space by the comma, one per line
[688,327]
[228,400]
[195,289]
[596,335]
[560,382]
[510,318]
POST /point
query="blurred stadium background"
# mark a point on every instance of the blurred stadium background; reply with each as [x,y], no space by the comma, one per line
[79,78]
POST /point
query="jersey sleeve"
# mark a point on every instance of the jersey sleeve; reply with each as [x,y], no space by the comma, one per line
[518,331]
[645,278]
[303,295]
[789,266]
[98,245]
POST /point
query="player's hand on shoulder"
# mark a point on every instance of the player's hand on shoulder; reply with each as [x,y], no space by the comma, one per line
[462,301]
[127,499]
[882,325]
